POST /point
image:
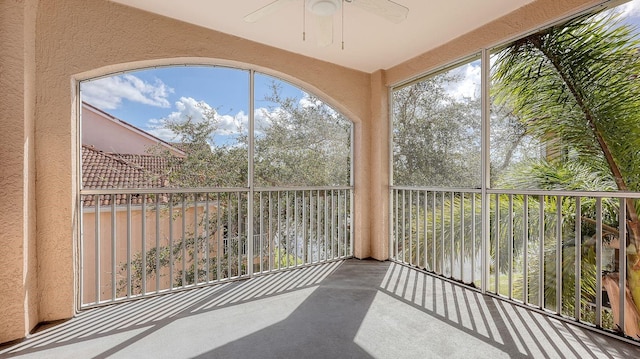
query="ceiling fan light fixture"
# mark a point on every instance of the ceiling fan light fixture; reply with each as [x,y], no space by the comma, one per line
[323,7]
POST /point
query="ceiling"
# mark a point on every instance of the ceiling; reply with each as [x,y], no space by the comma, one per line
[370,41]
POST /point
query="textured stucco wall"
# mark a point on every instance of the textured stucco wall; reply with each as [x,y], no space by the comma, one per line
[18,289]
[77,39]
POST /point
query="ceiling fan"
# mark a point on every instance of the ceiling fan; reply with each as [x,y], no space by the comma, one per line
[323,11]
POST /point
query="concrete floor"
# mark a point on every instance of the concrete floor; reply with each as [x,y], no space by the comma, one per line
[350,309]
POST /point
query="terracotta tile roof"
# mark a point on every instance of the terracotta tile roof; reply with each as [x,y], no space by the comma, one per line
[101,170]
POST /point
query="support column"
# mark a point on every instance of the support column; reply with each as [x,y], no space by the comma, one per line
[18,261]
[379,141]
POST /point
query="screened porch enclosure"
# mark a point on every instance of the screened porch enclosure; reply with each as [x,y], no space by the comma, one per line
[515,171]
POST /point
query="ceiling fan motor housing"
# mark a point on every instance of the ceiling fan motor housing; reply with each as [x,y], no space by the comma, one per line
[324,7]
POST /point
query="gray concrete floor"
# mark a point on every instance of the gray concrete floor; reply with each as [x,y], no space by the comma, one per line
[350,309]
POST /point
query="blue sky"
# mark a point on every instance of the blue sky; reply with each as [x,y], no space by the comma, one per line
[145,97]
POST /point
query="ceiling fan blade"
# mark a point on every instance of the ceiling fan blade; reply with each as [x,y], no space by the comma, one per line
[324,30]
[266,10]
[389,10]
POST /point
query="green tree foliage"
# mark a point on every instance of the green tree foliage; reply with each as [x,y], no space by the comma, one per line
[573,88]
[301,144]
[208,163]
[436,136]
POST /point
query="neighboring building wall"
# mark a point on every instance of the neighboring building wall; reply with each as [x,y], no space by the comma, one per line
[121,235]
[76,40]
[109,134]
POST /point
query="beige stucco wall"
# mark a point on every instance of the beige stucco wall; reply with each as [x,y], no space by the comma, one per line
[18,279]
[77,39]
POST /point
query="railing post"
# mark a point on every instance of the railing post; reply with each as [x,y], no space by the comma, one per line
[485,170]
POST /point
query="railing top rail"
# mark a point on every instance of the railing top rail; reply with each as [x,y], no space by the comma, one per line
[438,189]
[162,190]
[595,194]
[301,188]
[206,190]
[530,192]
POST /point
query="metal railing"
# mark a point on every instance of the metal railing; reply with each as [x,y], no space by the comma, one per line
[567,253]
[144,242]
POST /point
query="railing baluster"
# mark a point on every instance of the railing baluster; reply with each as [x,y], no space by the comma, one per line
[228,238]
[326,226]
[170,241]
[442,233]
[339,226]
[219,238]
[97,248]
[345,222]
[143,267]
[397,228]
[304,228]
[496,268]
[559,254]
[452,233]
[318,226]
[510,239]
[157,209]
[473,238]
[196,245]
[129,288]
[622,261]
[113,248]
[598,322]
[295,225]
[426,233]
[462,236]
[525,249]
[433,232]
[541,284]
[261,238]
[271,236]
[206,229]
[410,205]
[404,226]
[184,240]
[313,203]
[333,227]
[287,217]
[578,263]
[418,229]
[241,247]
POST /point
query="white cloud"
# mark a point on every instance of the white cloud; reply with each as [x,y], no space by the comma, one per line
[188,107]
[469,84]
[632,8]
[107,93]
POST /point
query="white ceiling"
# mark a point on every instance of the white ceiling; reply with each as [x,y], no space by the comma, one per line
[370,42]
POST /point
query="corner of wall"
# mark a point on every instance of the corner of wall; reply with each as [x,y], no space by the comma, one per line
[379,158]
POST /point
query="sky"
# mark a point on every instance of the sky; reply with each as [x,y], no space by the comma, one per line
[146,98]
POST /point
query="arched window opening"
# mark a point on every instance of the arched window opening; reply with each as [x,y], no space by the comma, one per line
[194,175]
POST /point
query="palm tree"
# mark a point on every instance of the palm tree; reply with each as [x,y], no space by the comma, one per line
[573,87]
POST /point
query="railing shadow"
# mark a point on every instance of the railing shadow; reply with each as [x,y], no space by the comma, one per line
[149,315]
[510,328]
